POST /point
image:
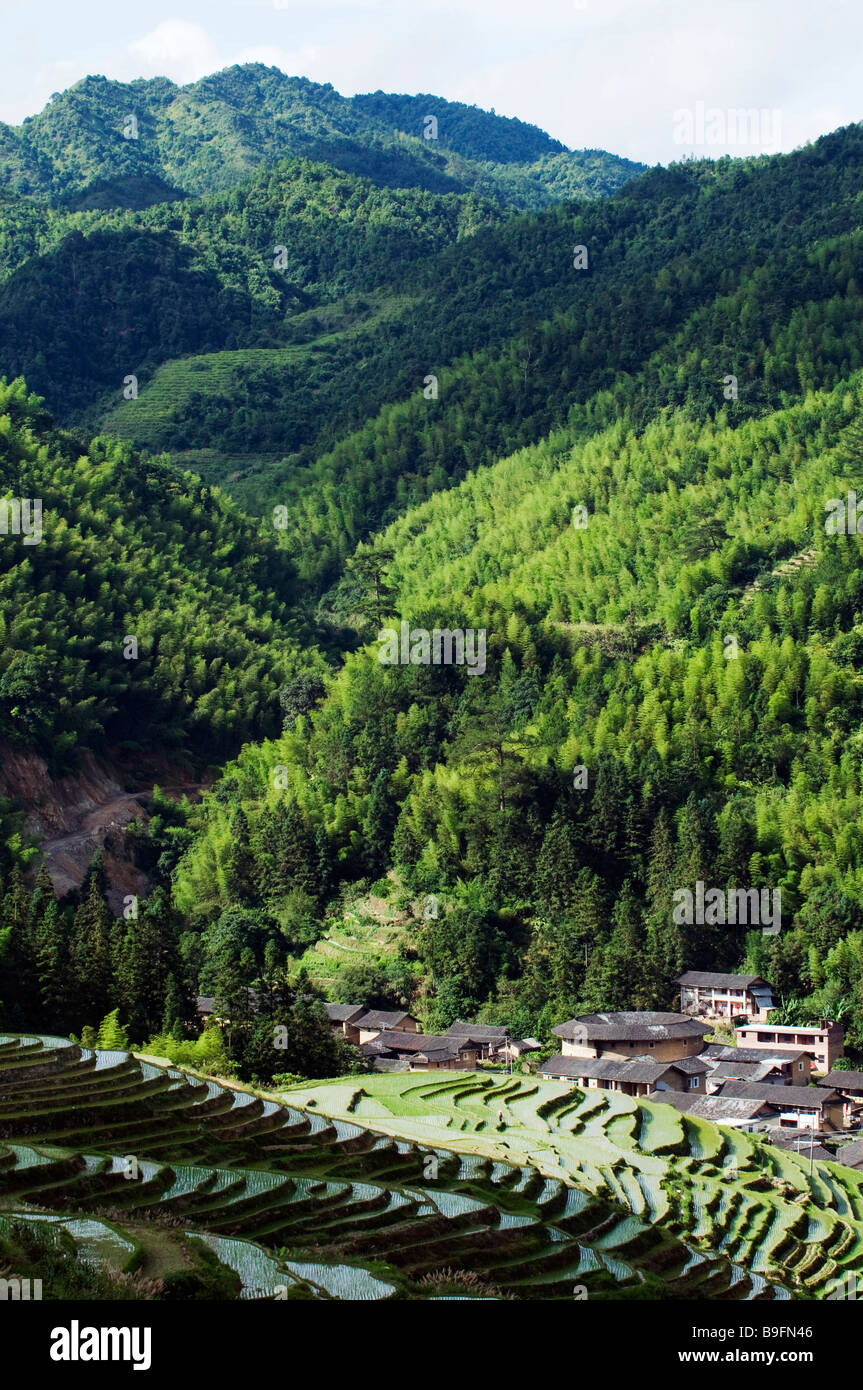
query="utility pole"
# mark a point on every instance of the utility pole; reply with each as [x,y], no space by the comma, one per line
[811,1151]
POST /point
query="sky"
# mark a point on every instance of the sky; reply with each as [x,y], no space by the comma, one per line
[649,79]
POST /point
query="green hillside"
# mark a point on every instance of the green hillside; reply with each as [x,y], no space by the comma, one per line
[693,274]
[131,552]
[569,1196]
[606,390]
[279,372]
[202,275]
[214,133]
[606,649]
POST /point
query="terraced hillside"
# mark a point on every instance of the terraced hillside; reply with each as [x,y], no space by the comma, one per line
[713,1187]
[153,1171]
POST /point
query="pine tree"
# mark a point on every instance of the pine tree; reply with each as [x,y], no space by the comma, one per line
[148,959]
[617,978]
[91,953]
[379,823]
[240,874]
[557,865]
[666,943]
[54,970]
[19,982]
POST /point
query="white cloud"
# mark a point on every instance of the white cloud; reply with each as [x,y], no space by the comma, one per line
[610,74]
[176,49]
[296,64]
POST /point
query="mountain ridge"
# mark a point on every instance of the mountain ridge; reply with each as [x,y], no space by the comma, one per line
[211,134]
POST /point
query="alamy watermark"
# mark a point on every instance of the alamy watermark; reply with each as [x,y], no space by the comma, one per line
[731,906]
[16,1290]
[758,127]
[441,647]
[25,516]
[842,518]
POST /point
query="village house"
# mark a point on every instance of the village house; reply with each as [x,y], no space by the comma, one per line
[851,1154]
[798,1107]
[624,1036]
[734,1111]
[492,1040]
[341,1016]
[634,1078]
[519,1047]
[803,1142]
[420,1051]
[713,995]
[750,1064]
[375,1021]
[824,1044]
[205,1004]
[442,1055]
[849,1086]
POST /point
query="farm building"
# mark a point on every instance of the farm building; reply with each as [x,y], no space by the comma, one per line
[635,1078]
[824,1044]
[851,1154]
[375,1021]
[341,1016]
[780,1067]
[665,1037]
[493,1042]
[800,1107]
[772,1071]
[714,995]
[421,1051]
[724,1110]
[849,1086]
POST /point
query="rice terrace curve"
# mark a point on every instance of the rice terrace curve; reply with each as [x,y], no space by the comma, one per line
[400,1185]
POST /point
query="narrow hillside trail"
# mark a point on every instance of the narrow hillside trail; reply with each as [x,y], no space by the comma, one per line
[114,814]
[66,856]
[118,812]
[790,566]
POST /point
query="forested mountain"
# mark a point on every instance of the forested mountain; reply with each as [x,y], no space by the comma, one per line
[142,606]
[244,270]
[608,651]
[286,382]
[310,250]
[132,140]
[605,431]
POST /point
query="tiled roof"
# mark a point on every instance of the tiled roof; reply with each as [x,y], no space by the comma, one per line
[380,1018]
[396,1040]
[343,1013]
[640,1069]
[634,1027]
[716,1108]
[706,979]
[751,1054]
[480,1032]
[789,1097]
[851,1154]
[690,1066]
[844,1081]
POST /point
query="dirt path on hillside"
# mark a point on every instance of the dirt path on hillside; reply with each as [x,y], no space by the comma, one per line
[66,856]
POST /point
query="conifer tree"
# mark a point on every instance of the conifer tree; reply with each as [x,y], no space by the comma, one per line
[112,1036]
[56,986]
[92,950]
